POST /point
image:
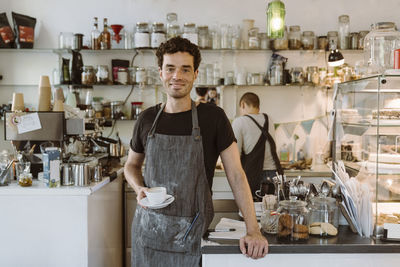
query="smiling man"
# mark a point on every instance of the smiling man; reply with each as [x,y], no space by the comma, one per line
[181,142]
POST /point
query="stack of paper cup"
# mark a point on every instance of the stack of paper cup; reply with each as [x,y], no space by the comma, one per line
[58,100]
[18,102]
[44,94]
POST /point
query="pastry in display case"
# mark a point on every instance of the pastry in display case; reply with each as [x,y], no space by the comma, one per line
[366,137]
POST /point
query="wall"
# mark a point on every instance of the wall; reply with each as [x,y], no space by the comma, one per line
[22,70]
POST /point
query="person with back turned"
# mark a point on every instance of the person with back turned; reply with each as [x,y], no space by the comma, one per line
[255,142]
[181,142]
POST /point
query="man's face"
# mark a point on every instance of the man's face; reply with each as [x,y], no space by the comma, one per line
[177,74]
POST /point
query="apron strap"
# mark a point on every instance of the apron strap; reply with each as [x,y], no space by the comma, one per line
[195,122]
[153,127]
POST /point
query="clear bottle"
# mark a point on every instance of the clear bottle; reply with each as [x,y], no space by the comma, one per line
[142,35]
[333,40]
[236,37]
[216,37]
[379,46]
[294,37]
[361,36]
[254,42]
[308,40]
[105,36]
[173,29]
[88,75]
[344,32]
[203,37]
[102,74]
[264,40]
[226,36]
[190,32]
[95,34]
[158,35]
[324,216]
[282,43]
[293,220]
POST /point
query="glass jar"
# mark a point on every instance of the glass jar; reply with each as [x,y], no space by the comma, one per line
[23,173]
[173,31]
[308,39]
[297,75]
[98,109]
[324,216]
[379,46]
[269,221]
[254,42]
[344,32]
[293,220]
[264,40]
[361,37]
[158,35]
[141,76]
[136,108]
[88,75]
[312,75]
[107,110]
[142,35]
[102,74]
[132,75]
[226,36]
[276,73]
[204,41]
[190,33]
[122,76]
[117,108]
[282,43]
[294,37]
[333,40]
[323,43]
[236,37]
[353,40]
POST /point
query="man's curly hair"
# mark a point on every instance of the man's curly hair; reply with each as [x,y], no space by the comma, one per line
[178,44]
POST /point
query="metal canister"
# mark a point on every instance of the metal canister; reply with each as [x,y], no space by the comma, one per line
[67,175]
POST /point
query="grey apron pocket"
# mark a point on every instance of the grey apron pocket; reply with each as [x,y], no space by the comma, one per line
[169,233]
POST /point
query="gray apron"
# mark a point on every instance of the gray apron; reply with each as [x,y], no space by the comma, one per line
[172,236]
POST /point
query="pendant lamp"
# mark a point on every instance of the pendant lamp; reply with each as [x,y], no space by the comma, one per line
[276,19]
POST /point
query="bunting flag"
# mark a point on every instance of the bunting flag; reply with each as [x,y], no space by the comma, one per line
[289,128]
[324,121]
[307,125]
[276,125]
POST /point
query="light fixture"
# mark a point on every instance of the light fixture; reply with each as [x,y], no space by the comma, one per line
[335,58]
[276,19]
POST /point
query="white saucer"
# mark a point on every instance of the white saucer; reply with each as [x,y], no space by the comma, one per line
[145,202]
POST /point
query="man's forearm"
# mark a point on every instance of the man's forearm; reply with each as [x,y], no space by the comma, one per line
[134,177]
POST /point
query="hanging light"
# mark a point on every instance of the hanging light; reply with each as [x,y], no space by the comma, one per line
[335,58]
[276,19]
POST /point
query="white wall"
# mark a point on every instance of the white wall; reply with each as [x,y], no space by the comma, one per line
[55,16]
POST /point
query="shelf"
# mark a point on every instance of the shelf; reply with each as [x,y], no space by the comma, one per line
[373,123]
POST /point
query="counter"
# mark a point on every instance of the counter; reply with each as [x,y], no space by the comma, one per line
[346,249]
[65,226]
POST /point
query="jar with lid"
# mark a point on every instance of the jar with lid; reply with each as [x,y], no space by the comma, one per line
[324,216]
[293,220]
[98,109]
[172,25]
[294,37]
[226,36]
[308,40]
[236,40]
[344,32]
[312,75]
[254,42]
[276,73]
[204,41]
[132,75]
[141,75]
[88,75]
[264,40]
[282,43]
[190,33]
[323,43]
[107,110]
[353,40]
[117,108]
[158,34]
[122,75]
[379,46]
[361,37]
[297,75]
[142,35]
[102,74]
[136,108]
[333,40]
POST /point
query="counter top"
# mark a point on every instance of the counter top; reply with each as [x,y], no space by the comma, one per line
[345,242]
[39,188]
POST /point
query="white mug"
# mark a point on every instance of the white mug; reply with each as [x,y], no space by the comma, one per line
[156,195]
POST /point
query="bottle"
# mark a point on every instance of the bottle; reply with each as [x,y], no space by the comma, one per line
[105,37]
[284,153]
[95,34]
[344,32]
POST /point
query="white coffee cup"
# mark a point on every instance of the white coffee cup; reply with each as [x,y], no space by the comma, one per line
[156,195]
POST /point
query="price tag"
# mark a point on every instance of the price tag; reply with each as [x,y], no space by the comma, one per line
[29,123]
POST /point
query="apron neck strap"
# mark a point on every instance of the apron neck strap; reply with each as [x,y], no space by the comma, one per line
[195,121]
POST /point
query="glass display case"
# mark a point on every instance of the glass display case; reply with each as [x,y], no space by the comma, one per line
[367,139]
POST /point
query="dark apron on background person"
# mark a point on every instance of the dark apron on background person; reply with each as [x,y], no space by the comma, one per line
[172,236]
[253,162]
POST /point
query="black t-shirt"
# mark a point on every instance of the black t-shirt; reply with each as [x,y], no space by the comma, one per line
[215,129]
